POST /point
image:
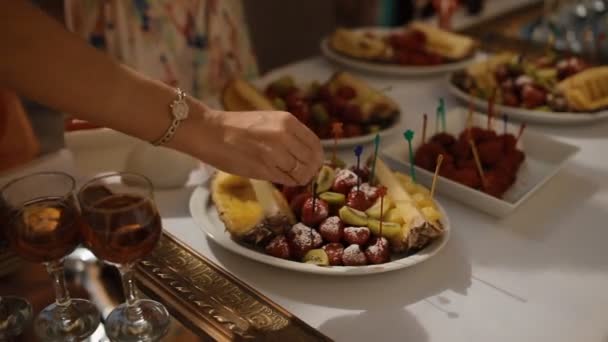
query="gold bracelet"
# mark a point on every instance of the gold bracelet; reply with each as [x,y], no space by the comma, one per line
[179,112]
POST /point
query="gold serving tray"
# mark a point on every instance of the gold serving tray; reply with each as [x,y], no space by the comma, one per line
[212,302]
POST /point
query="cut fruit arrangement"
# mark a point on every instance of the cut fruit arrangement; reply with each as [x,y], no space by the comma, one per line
[343,98]
[346,222]
[418,44]
[548,83]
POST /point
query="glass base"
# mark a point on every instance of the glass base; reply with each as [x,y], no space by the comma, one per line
[15,313]
[74,322]
[146,321]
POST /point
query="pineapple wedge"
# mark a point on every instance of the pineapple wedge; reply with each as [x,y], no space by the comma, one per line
[444,43]
[244,214]
[240,95]
[417,231]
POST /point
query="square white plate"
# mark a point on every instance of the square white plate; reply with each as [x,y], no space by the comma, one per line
[544,157]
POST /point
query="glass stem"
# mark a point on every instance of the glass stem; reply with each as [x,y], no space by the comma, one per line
[133,311]
[62,295]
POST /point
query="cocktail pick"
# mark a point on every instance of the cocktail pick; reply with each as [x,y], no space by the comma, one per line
[437,168]
[424,121]
[521,131]
[373,172]
[381,194]
[505,119]
[358,151]
[478,163]
[491,102]
[409,135]
[314,207]
[336,131]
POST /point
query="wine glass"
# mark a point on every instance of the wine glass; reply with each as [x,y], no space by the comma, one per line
[121,226]
[44,226]
[15,313]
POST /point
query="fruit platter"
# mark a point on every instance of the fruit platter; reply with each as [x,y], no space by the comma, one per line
[546,89]
[341,225]
[488,163]
[363,110]
[417,49]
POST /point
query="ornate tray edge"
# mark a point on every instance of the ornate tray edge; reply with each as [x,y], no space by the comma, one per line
[211,301]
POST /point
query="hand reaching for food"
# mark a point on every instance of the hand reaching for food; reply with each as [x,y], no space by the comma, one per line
[268,145]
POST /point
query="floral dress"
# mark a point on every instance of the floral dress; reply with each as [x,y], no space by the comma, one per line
[197,45]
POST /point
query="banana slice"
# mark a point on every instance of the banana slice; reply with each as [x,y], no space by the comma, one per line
[444,43]
[587,90]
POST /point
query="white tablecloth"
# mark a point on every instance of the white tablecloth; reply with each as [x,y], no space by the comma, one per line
[539,275]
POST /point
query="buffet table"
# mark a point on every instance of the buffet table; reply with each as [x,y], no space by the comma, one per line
[541,274]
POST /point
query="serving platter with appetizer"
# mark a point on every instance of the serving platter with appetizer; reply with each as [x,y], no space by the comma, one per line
[350,221]
[487,163]
[363,110]
[547,89]
[415,50]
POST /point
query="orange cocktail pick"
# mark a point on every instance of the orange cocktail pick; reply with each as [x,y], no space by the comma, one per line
[437,168]
[336,131]
[478,163]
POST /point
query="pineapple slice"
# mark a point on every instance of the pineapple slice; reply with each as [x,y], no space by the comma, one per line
[417,230]
[240,95]
[277,213]
[236,204]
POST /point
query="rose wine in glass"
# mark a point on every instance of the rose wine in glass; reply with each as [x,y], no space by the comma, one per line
[121,226]
[44,226]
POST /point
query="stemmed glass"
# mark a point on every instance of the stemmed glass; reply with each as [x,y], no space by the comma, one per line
[122,225]
[44,226]
[15,313]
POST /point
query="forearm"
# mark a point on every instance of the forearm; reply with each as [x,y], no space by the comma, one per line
[42,61]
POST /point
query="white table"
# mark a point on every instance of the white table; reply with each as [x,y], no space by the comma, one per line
[539,275]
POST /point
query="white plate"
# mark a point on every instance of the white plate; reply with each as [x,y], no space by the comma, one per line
[544,157]
[390,69]
[527,115]
[263,81]
[205,215]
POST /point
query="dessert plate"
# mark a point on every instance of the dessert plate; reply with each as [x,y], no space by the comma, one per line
[544,158]
[386,68]
[528,115]
[206,217]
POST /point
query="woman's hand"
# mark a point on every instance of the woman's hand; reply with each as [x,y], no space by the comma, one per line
[268,145]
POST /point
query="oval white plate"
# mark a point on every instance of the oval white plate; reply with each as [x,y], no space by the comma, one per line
[527,115]
[205,215]
[390,69]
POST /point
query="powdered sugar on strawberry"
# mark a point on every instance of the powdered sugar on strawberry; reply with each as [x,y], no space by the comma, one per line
[302,235]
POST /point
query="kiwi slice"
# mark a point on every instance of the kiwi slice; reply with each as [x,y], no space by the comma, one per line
[319,114]
[325,179]
[283,85]
[390,230]
[279,104]
[374,210]
[352,216]
[316,257]
[333,198]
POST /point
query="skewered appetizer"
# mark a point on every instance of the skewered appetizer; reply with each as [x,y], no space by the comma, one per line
[417,44]
[339,225]
[498,155]
[543,84]
[342,98]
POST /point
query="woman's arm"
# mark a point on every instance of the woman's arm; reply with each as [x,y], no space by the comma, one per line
[42,61]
